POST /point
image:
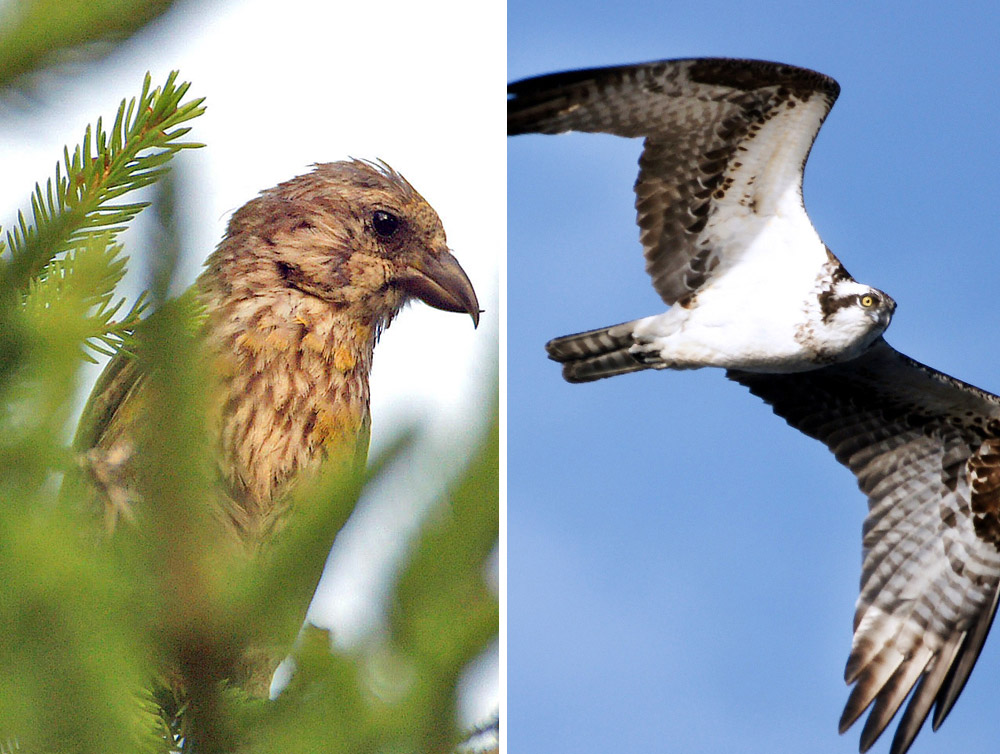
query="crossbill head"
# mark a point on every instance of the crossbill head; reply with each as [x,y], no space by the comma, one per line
[352,233]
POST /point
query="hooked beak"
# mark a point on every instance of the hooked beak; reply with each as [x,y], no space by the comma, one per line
[440,281]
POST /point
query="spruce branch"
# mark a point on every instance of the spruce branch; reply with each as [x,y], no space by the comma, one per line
[86,276]
[79,203]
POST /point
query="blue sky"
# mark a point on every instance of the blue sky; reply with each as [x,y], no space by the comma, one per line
[682,566]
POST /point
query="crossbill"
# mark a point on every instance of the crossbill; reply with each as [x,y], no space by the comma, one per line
[295,297]
[293,301]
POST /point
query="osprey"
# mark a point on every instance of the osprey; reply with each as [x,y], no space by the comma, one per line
[719,197]
[754,290]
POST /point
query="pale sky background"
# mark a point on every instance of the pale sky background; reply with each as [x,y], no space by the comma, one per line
[683,567]
[297,82]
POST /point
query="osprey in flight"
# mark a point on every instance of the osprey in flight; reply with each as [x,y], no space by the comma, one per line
[721,218]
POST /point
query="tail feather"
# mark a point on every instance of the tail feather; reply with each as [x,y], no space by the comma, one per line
[595,354]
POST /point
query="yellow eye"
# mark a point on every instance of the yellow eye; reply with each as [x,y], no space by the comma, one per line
[868,301]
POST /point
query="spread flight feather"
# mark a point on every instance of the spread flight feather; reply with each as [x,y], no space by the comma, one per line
[753,289]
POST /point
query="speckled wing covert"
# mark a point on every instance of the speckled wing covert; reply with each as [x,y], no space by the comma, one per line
[925,449]
[723,138]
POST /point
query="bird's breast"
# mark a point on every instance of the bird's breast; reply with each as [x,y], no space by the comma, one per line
[293,391]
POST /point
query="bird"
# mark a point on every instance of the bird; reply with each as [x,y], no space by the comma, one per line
[719,201]
[293,301]
[729,246]
[290,307]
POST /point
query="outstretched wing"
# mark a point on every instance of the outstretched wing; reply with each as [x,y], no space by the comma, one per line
[925,449]
[726,144]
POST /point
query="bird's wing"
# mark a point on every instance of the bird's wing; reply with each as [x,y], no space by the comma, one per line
[726,144]
[103,443]
[110,412]
[105,416]
[925,449]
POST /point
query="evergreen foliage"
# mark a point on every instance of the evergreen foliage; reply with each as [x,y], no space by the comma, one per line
[33,32]
[92,627]
[77,204]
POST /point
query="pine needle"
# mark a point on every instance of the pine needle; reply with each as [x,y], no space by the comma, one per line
[79,203]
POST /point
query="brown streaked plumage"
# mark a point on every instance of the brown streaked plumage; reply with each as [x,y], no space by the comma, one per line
[296,295]
[293,300]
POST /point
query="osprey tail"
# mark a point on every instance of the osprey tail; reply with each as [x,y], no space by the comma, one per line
[596,354]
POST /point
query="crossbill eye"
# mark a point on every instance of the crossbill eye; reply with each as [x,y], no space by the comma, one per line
[384,223]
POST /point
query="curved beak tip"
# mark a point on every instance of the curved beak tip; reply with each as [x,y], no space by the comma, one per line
[440,281]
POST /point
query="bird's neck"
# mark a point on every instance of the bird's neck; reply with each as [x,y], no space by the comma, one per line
[293,374]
